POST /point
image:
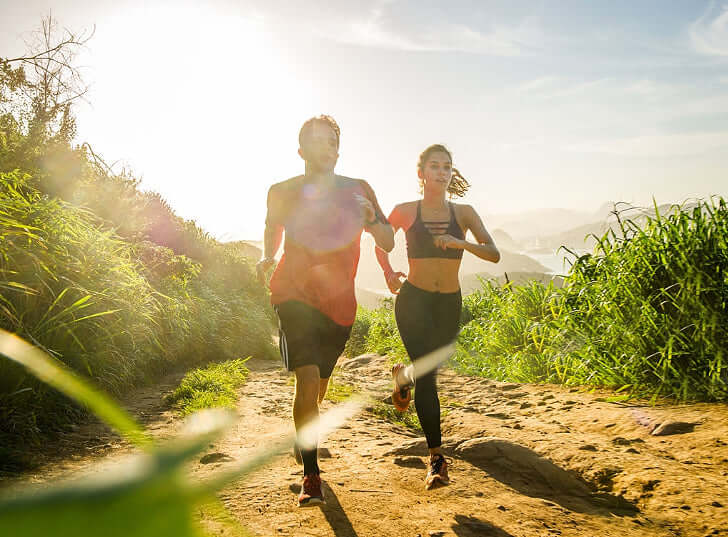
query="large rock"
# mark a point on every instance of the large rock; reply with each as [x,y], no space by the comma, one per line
[674,427]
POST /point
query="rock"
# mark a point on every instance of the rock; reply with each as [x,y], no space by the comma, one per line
[514,395]
[716,504]
[216,457]
[525,404]
[588,447]
[435,533]
[358,361]
[673,427]
[409,462]
[498,415]
[508,386]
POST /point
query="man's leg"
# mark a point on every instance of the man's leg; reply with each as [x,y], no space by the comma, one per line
[323,386]
[305,412]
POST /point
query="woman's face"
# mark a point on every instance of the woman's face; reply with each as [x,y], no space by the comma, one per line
[437,173]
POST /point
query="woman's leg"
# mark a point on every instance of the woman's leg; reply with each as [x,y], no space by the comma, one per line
[414,315]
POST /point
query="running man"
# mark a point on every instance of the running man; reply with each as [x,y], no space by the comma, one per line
[312,288]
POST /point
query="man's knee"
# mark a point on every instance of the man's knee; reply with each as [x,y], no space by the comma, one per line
[307,382]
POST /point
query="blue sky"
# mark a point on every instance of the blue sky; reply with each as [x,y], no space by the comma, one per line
[544,104]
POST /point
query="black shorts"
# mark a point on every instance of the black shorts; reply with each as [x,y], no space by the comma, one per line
[308,337]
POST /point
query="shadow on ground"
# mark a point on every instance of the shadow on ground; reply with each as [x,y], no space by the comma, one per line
[469,526]
[530,474]
[333,512]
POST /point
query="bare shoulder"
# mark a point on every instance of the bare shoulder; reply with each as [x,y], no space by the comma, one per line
[286,186]
[463,211]
[406,208]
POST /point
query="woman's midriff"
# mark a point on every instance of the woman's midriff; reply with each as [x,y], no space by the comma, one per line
[434,274]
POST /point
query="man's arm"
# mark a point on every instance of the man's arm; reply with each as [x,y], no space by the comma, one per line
[374,221]
[271,237]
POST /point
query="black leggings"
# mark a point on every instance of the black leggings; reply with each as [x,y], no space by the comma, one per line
[426,322]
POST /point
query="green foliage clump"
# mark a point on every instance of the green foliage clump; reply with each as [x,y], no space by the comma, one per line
[338,392]
[407,419]
[376,331]
[116,311]
[104,277]
[210,387]
[647,312]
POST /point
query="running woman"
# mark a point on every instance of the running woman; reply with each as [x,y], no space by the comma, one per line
[312,288]
[427,308]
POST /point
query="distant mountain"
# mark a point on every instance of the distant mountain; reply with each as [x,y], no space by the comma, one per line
[543,222]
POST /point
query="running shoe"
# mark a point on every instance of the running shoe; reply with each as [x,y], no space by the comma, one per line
[311,493]
[437,472]
[402,393]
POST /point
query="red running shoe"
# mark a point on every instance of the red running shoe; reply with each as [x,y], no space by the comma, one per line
[311,493]
[437,472]
[403,383]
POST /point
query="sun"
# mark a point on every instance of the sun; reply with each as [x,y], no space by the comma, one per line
[196,99]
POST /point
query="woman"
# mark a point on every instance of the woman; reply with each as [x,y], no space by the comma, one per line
[428,304]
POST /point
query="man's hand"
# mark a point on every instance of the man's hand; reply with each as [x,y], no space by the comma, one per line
[262,268]
[394,283]
[366,207]
[448,241]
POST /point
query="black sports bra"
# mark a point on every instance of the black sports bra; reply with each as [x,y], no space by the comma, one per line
[420,243]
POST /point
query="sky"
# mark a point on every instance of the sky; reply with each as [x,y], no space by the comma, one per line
[543,104]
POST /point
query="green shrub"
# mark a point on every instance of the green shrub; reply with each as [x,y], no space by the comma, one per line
[647,313]
[209,387]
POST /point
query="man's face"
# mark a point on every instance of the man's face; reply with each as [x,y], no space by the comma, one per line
[320,147]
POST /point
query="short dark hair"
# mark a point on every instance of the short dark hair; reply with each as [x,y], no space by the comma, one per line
[331,122]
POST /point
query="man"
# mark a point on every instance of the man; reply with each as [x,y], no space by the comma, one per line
[312,288]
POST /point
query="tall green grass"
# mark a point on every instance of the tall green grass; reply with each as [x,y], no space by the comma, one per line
[375,331]
[646,313]
[114,310]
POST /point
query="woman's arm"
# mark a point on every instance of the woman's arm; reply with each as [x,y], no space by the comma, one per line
[391,277]
[485,248]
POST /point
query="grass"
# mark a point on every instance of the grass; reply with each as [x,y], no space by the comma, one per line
[407,419]
[338,392]
[210,387]
[117,311]
[646,314]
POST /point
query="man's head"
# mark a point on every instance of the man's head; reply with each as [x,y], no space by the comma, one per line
[318,142]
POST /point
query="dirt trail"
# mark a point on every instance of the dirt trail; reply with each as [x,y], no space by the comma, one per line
[527,461]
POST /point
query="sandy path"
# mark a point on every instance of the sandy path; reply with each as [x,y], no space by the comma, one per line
[526,461]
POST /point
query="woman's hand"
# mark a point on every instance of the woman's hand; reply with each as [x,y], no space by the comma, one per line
[448,241]
[394,283]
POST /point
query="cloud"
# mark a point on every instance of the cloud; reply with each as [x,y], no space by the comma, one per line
[709,34]
[659,145]
[406,26]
